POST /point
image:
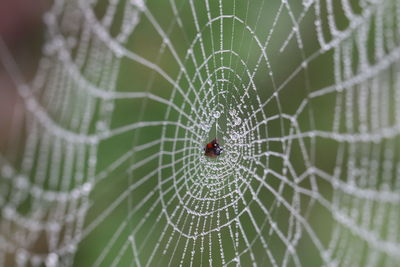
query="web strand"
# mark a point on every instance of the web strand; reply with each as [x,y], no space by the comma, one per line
[104,162]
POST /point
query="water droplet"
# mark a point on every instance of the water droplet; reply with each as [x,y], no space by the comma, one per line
[238,121]
[205,127]
[86,188]
[21,182]
[217,114]
[71,248]
[118,51]
[52,259]
[234,136]
[22,257]
[139,4]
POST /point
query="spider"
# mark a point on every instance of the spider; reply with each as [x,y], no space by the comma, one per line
[212,149]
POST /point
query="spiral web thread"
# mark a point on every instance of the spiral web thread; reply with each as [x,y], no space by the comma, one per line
[105,164]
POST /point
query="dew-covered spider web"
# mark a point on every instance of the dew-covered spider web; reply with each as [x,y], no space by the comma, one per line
[103,163]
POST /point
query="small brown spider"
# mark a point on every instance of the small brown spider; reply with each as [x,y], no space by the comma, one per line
[212,149]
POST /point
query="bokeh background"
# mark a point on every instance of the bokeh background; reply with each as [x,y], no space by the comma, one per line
[105,107]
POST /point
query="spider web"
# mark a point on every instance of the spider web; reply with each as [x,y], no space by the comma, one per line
[104,162]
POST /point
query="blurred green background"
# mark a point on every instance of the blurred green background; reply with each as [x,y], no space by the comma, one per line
[263,60]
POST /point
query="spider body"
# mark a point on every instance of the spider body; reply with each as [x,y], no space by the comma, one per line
[213,149]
